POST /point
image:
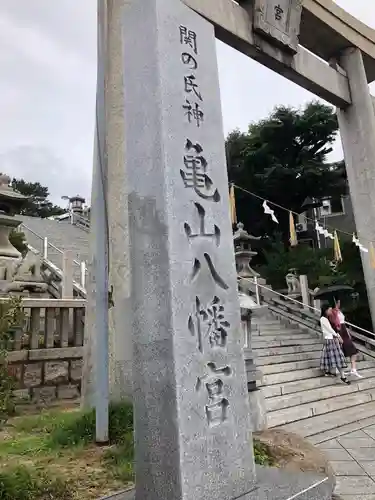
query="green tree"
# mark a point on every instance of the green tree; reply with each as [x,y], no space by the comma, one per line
[283,158]
[280,259]
[316,264]
[18,240]
[38,204]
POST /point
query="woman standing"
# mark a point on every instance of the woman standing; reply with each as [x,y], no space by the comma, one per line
[348,347]
[332,356]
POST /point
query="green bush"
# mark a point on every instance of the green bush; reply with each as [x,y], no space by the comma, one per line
[18,240]
[81,430]
[262,454]
[306,260]
[10,316]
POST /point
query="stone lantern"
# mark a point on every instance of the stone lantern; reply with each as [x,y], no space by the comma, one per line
[243,252]
[76,204]
[11,202]
[250,307]
[17,275]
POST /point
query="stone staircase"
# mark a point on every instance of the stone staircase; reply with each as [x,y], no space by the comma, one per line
[297,397]
[61,236]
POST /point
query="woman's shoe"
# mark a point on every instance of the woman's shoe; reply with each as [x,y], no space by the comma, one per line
[345,380]
[329,374]
[354,373]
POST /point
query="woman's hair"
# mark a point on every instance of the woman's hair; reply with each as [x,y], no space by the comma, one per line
[324,310]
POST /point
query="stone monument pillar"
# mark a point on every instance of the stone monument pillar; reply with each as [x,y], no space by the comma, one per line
[191,409]
[192,416]
[357,131]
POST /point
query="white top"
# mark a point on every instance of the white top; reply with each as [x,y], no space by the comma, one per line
[341,317]
[327,330]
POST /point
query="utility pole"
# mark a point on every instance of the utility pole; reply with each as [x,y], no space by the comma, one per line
[99,229]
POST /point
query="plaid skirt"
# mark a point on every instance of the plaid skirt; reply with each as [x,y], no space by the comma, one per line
[332,356]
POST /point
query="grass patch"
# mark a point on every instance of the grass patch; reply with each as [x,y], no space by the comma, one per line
[262,454]
[61,445]
[22,483]
[120,459]
[81,429]
[45,422]
[24,445]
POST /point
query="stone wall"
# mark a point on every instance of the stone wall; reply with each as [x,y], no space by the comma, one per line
[45,351]
[46,375]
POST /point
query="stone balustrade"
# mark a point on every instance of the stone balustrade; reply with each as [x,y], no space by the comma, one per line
[45,353]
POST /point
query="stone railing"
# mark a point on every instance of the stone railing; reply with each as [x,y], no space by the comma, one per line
[46,351]
[306,316]
[54,276]
[80,221]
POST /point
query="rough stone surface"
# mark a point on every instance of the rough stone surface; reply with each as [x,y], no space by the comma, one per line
[44,395]
[16,372]
[279,20]
[293,453]
[357,131]
[76,370]
[68,392]
[32,375]
[192,416]
[274,484]
[22,395]
[56,372]
[258,411]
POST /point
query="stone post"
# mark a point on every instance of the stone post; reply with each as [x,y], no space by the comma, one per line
[120,344]
[192,416]
[67,278]
[357,130]
[304,284]
[317,305]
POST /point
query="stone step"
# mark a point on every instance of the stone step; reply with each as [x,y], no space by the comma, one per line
[266,322]
[295,349]
[337,388]
[277,332]
[287,358]
[307,384]
[320,424]
[290,358]
[259,344]
[302,374]
[282,336]
[275,327]
[297,386]
[289,367]
[326,406]
[279,378]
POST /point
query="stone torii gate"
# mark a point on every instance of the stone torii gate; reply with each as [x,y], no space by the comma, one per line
[313,43]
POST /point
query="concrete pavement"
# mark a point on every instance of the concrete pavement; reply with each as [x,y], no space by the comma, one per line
[352,457]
